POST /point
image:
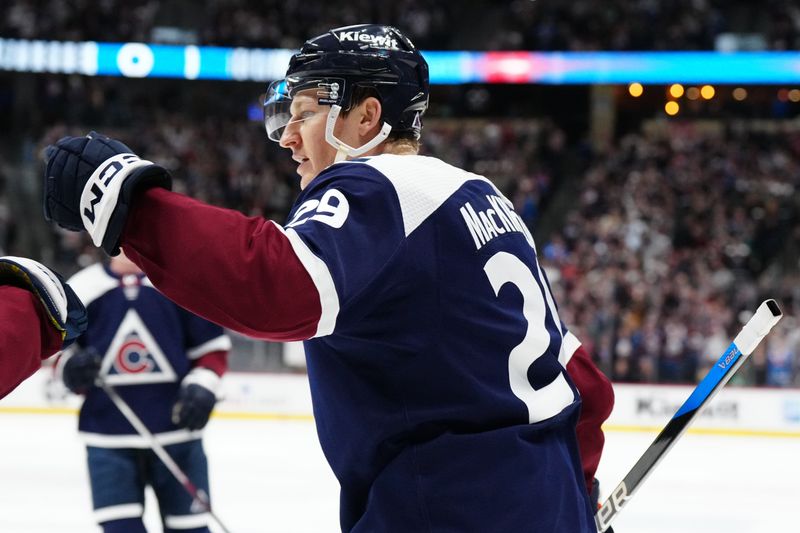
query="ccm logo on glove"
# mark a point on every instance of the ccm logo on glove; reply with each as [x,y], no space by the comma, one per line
[100,192]
[90,183]
[105,176]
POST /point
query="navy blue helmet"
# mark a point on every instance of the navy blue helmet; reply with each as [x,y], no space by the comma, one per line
[365,55]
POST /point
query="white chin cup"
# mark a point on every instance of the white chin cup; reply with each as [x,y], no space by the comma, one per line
[344,150]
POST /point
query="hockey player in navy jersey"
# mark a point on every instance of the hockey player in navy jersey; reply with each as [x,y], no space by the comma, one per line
[39,315]
[444,385]
[166,364]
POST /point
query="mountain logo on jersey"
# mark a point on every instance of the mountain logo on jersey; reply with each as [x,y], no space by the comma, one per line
[134,357]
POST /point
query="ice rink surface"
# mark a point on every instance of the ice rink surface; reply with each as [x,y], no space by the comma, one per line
[270,476]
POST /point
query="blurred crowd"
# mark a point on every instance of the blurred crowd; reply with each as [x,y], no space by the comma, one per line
[663,242]
[263,23]
[669,245]
[615,25]
[518,24]
[663,249]
[584,25]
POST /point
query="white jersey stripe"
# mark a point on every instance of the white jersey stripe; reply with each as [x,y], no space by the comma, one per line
[118,512]
[568,347]
[101,440]
[223,342]
[192,521]
[91,283]
[321,276]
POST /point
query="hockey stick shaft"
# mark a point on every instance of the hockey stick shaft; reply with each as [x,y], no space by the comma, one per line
[767,315]
[197,495]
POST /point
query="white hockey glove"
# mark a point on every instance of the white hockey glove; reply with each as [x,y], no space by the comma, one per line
[66,312]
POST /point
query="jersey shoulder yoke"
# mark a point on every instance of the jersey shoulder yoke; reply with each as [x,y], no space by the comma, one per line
[422,183]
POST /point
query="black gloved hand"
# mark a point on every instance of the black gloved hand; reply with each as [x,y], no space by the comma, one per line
[67,313]
[81,369]
[90,182]
[194,406]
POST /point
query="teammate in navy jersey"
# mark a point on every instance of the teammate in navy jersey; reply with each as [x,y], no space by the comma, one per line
[166,364]
[443,381]
[39,315]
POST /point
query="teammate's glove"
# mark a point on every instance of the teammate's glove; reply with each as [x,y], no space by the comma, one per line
[80,370]
[90,182]
[196,399]
[66,312]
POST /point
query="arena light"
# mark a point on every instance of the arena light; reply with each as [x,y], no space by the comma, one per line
[676,90]
[707,92]
[739,94]
[672,108]
[635,89]
[507,67]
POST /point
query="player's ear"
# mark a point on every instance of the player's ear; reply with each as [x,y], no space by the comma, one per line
[370,114]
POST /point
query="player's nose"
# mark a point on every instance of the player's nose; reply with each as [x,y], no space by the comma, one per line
[290,137]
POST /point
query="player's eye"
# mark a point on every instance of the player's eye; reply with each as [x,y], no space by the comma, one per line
[303,115]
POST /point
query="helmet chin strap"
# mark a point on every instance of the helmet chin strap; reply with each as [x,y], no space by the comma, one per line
[344,150]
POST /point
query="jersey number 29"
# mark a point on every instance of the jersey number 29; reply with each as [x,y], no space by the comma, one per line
[552,398]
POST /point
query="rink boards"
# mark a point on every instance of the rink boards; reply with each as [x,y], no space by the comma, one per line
[736,410]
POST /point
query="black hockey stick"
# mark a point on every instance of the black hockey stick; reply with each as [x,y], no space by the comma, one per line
[198,495]
[757,327]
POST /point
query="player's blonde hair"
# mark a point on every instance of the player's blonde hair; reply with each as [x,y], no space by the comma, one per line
[398,142]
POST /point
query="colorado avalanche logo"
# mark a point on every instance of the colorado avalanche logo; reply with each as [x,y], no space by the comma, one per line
[133,357]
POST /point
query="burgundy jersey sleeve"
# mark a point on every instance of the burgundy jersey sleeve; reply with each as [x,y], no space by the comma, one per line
[26,337]
[239,272]
[216,361]
[597,397]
